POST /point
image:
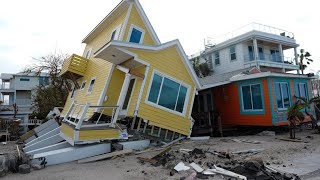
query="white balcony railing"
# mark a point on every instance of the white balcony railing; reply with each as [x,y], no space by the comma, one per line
[6,86]
[248,28]
[271,58]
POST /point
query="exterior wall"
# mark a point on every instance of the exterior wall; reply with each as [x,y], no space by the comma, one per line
[159,61]
[25,85]
[227,102]
[136,20]
[23,97]
[280,116]
[226,65]
[96,68]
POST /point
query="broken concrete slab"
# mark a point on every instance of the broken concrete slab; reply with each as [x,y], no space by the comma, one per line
[181,167]
[196,167]
[135,145]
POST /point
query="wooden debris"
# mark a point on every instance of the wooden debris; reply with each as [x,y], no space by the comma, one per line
[225,172]
[162,152]
[196,167]
[292,140]
[152,161]
[149,150]
[105,156]
[173,142]
[200,138]
[248,151]
[246,141]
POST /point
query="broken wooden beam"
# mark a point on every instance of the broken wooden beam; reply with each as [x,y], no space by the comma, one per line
[172,142]
[104,156]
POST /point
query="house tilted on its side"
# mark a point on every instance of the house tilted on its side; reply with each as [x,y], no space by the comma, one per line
[126,72]
[252,82]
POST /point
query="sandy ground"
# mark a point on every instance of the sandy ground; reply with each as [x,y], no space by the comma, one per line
[280,154]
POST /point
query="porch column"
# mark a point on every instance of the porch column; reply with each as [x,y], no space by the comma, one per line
[281,56]
[122,96]
[296,59]
[256,52]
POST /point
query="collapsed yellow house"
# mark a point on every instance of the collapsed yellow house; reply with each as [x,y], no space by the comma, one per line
[126,73]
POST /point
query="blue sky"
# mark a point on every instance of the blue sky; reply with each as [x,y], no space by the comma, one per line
[36,28]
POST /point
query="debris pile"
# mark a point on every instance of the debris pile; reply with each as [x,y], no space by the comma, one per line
[206,163]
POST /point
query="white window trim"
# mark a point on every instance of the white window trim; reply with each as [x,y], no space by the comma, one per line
[251,110]
[74,92]
[88,50]
[94,78]
[305,88]
[282,99]
[138,28]
[85,81]
[116,36]
[214,55]
[185,106]
[235,52]
[133,87]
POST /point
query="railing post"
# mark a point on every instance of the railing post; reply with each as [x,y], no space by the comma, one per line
[84,112]
[281,56]
[296,59]
[256,52]
[69,111]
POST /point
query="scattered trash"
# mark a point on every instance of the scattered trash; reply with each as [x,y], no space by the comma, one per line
[252,151]
[196,167]
[181,167]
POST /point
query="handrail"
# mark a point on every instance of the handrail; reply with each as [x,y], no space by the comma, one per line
[271,58]
[247,28]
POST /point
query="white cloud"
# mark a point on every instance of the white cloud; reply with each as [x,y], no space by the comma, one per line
[35,28]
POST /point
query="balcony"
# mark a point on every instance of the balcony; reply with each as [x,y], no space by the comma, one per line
[6,88]
[271,60]
[74,67]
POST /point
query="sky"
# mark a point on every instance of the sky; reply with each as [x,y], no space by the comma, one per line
[35,28]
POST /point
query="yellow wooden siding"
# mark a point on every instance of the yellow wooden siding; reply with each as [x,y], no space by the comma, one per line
[67,130]
[114,89]
[96,67]
[135,19]
[135,92]
[169,62]
[98,134]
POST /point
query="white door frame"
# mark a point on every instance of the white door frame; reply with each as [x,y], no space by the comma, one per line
[123,112]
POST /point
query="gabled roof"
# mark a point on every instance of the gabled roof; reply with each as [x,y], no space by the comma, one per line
[118,10]
[176,43]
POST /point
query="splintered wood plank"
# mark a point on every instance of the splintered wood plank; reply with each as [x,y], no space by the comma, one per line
[104,156]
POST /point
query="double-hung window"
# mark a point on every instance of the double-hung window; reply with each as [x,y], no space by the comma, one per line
[91,85]
[88,54]
[167,93]
[252,97]
[73,92]
[216,58]
[83,85]
[233,55]
[282,95]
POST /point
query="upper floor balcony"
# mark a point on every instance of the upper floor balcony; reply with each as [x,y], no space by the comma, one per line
[74,67]
[271,61]
[6,87]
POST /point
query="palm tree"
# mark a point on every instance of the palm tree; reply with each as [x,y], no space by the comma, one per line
[304,56]
[295,116]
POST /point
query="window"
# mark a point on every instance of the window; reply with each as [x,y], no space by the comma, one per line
[251,53]
[282,95]
[88,54]
[233,55]
[115,34]
[73,93]
[43,80]
[167,93]
[136,34]
[251,97]
[209,61]
[216,58]
[91,85]
[83,85]
[275,55]
[301,90]
[24,79]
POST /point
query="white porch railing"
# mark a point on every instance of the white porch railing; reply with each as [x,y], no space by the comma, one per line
[77,114]
[271,58]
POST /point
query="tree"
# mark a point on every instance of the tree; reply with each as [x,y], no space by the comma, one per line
[304,56]
[295,116]
[201,69]
[53,94]
[307,103]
